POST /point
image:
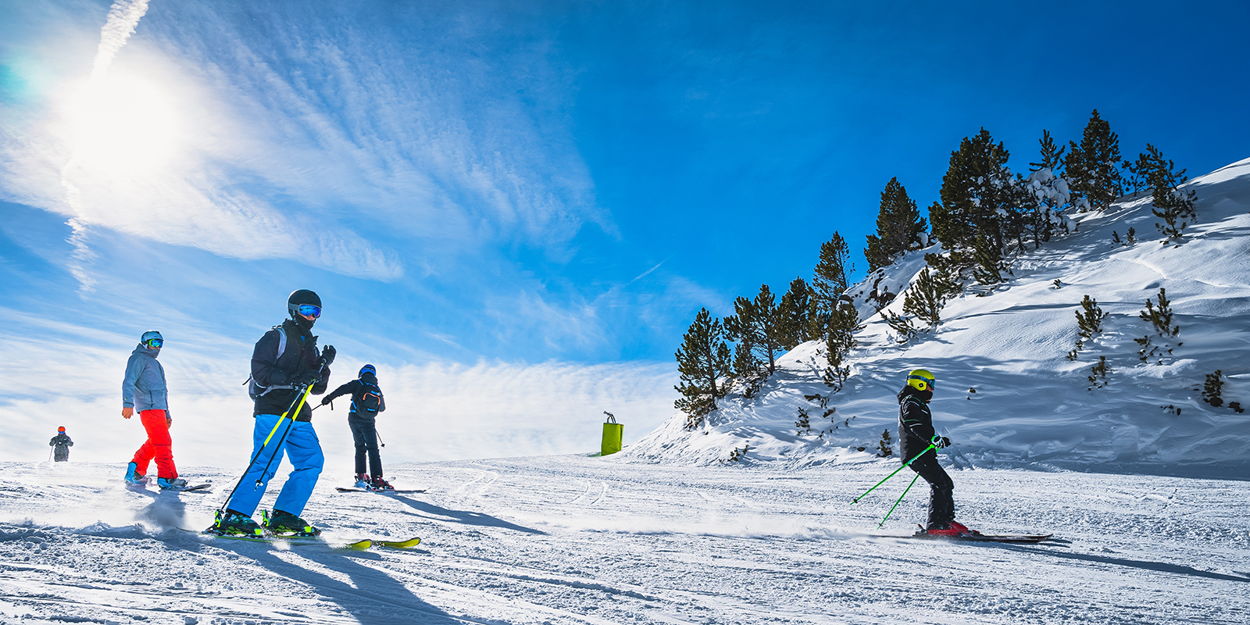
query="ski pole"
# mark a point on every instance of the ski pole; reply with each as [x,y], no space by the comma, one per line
[905,465]
[299,398]
[302,399]
[379,435]
[900,500]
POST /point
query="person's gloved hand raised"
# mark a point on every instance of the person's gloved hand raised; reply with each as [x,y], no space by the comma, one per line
[940,442]
[327,355]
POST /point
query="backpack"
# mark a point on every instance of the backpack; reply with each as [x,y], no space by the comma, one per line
[368,400]
[255,389]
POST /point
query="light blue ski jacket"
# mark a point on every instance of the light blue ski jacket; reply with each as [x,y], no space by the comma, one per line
[144,386]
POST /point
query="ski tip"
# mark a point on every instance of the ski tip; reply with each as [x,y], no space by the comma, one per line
[360,545]
[400,544]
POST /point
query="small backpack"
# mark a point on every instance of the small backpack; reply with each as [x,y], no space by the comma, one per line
[368,400]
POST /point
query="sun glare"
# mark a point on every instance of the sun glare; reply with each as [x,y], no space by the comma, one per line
[122,125]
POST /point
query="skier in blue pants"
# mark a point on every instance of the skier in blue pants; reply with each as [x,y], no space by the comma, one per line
[284,362]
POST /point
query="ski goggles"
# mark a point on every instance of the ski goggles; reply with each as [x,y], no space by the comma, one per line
[154,343]
[308,310]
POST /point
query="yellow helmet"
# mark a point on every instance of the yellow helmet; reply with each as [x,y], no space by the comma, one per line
[920,380]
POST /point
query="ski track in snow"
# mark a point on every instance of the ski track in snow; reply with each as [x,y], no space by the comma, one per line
[577,540]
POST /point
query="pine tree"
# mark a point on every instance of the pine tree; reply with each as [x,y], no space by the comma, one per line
[739,328]
[793,314]
[830,274]
[989,261]
[1173,206]
[980,196]
[927,295]
[767,327]
[899,227]
[1212,388]
[1049,191]
[839,340]
[1093,166]
[885,446]
[702,360]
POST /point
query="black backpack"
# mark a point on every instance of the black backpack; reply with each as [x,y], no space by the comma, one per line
[368,400]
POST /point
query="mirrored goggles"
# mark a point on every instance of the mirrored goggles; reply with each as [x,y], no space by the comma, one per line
[155,343]
[308,310]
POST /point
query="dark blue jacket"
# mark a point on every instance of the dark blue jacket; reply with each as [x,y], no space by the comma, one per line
[357,388]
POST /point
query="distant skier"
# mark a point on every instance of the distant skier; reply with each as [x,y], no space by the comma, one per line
[60,445]
[144,388]
[284,362]
[367,402]
[915,432]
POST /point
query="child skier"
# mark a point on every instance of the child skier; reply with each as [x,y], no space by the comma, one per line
[367,402]
[60,445]
[144,388]
[916,433]
[284,363]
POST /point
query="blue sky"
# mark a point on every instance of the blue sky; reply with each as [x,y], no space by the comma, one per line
[536,182]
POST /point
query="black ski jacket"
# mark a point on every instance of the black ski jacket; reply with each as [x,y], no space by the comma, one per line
[915,422]
[61,440]
[357,388]
[298,363]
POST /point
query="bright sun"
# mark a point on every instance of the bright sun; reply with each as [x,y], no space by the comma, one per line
[122,125]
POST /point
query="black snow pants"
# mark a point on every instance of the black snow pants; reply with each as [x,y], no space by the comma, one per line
[365,435]
[941,490]
[61,453]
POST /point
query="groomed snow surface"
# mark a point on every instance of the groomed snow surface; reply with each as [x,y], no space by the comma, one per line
[581,540]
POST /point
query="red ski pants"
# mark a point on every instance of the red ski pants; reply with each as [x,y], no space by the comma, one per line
[159,445]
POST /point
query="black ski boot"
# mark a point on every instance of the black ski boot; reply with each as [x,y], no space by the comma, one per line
[287,524]
[235,524]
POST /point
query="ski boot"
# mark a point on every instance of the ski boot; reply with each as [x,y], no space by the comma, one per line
[235,524]
[133,476]
[171,483]
[362,481]
[951,529]
[287,524]
[380,484]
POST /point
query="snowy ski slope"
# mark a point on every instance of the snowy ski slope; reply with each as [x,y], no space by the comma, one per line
[1006,393]
[573,540]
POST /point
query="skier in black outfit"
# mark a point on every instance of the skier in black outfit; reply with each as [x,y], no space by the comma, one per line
[367,402]
[916,433]
[60,445]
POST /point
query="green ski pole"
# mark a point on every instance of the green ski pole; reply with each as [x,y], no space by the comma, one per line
[905,465]
[900,500]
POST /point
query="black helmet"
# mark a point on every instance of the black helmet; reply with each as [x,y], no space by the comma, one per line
[370,369]
[309,302]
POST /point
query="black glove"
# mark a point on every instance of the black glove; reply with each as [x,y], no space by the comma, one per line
[325,400]
[940,442]
[327,355]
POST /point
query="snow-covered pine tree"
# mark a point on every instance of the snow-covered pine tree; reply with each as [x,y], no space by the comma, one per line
[755,323]
[988,261]
[1160,318]
[1093,166]
[839,340]
[702,360]
[793,314]
[899,227]
[1173,206]
[885,446]
[1049,191]
[980,196]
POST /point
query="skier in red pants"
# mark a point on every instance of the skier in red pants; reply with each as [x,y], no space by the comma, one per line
[144,388]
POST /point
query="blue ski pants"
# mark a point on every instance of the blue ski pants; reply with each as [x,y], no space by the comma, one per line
[301,447]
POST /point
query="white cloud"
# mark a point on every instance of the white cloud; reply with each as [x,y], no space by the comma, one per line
[348,149]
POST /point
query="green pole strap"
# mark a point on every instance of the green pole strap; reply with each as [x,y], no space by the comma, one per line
[900,500]
[905,465]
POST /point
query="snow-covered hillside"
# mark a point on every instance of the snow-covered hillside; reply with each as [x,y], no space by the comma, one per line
[596,541]
[1006,393]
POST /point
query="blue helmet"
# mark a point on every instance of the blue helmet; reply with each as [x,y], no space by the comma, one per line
[152,339]
[366,369]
